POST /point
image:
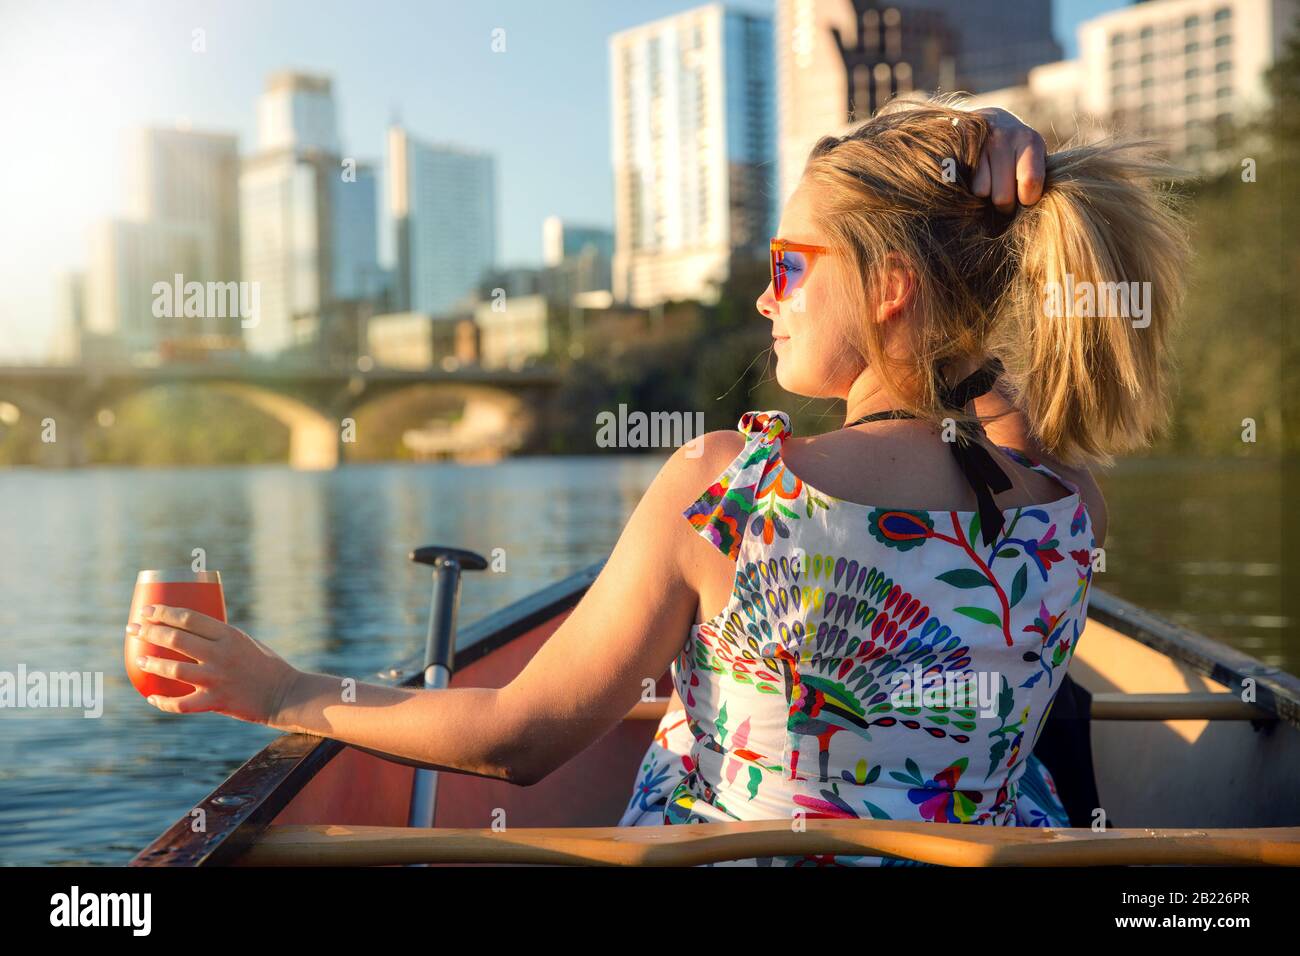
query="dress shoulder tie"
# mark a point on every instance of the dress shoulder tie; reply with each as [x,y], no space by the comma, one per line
[722,513]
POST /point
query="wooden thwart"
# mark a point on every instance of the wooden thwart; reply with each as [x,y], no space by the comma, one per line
[1193,706]
[945,844]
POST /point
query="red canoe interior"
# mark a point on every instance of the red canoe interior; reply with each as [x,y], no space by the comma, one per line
[592,789]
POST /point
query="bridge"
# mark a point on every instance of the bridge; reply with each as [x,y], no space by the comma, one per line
[314,402]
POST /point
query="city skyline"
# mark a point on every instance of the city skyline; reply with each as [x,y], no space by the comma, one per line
[88,80]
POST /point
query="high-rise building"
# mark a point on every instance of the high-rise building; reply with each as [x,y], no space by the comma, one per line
[1180,69]
[1175,71]
[996,44]
[838,61]
[508,281]
[442,201]
[124,314]
[356,238]
[308,225]
[578,259]
[285,217]
[70,318]
[561,239]
[182,219]
[190,177]
[296,111]
[693,150]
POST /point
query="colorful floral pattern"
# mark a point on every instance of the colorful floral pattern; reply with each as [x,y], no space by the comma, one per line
[789,694]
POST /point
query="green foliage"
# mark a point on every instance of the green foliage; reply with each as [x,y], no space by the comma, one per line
[1238,347]
[186,425]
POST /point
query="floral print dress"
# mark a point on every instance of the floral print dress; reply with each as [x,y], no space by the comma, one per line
[796,696]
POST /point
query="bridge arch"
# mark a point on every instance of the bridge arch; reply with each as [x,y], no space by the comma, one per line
[493,421]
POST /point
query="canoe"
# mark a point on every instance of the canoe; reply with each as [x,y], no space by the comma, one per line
[1153,729]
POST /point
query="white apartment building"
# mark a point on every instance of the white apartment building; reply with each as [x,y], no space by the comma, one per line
[1172,70]
[693,150]
[1175,68]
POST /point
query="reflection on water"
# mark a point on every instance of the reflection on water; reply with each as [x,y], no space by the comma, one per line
[315,565]
[1202,545]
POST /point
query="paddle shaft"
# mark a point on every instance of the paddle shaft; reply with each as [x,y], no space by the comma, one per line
[944,844]
[439,660]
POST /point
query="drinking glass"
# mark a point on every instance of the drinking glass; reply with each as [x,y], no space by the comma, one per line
[196,590]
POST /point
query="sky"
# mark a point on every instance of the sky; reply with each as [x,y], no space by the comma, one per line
[77,74]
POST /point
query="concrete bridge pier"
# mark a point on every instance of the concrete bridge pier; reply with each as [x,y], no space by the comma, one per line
[314,445]
[313,438]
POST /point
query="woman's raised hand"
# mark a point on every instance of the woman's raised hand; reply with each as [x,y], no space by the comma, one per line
[1013,164]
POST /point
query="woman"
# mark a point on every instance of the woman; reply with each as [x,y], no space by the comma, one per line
[833,565]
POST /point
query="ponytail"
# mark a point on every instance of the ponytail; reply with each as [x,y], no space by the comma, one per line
[1082,327]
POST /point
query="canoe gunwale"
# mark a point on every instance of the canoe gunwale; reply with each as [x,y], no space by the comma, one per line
[255,793]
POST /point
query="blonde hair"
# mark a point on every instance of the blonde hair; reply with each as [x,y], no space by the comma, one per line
[897,187]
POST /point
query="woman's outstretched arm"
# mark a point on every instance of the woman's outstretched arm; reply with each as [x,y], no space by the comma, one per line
[626,630]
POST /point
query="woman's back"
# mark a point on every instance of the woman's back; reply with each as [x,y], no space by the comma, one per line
[905,463]
[795,693]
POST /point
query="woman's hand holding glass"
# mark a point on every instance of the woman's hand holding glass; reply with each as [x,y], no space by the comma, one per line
[232,673]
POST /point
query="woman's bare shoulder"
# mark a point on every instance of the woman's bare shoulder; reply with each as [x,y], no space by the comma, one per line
[689,472]
[697,463]
[901,464]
